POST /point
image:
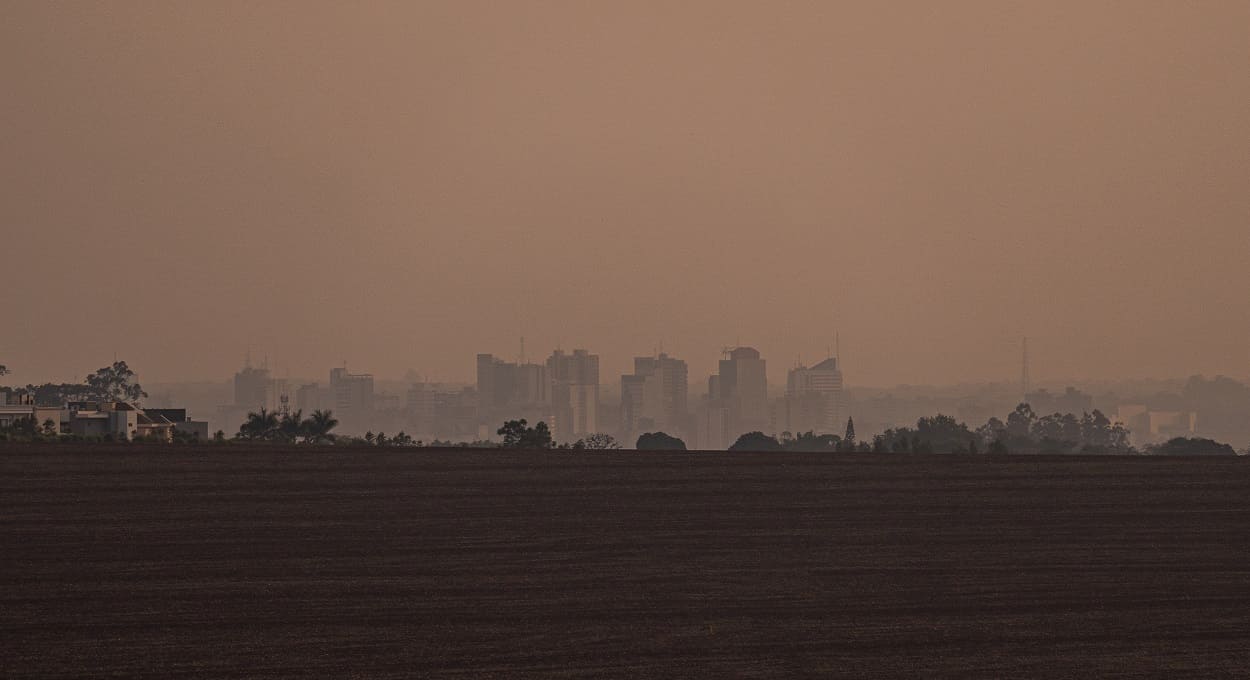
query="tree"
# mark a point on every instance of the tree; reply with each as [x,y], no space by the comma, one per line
[659,441]
[115,383]
[997,448]
[1057,433]
[943,434]
[512,432]
[1020,421]
[597,442]
[3,370]
[517,434]
[1196,446]
[318,427]
[992,431]
[259,426]
[291,426]
[809,441]
[756,441]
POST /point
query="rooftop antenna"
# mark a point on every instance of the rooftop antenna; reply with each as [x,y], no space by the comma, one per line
[1024,368]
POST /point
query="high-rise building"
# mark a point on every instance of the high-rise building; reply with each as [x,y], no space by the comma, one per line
[442,411]
[352,395]
[814,399]
[253,388]
[532,385]
[495,379]
[742,386]
[312,397]
[574,393]
[508,391]
[711,431]
[655,396]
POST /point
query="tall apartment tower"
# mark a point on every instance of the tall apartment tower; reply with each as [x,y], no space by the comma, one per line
[253,388]
[494,384]
[574,393]
[509,390]
[352,393]
[742,386]
[816,393]
[656,396]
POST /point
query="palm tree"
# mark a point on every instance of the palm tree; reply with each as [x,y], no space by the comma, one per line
[259,425]
[318,427]
[291,427]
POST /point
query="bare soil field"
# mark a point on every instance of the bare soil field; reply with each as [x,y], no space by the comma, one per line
[266,563]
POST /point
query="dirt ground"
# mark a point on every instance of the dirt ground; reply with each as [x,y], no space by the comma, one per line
[172,562]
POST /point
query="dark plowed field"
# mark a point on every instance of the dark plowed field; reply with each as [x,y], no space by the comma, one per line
[263,563]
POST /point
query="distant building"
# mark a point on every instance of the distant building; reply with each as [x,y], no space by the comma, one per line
[532,386]
[353,397]
[437,411]
[712,428]
[116,419]
[11,413]
[1071,401]
[1147,426]
[253,388]
[655,397]
[574,393]
[178,421]
[814,400]
[741,386]
[311,397]
[508,391]
[799,413]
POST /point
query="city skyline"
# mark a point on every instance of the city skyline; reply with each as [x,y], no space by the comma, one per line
[330,182]
[461,370]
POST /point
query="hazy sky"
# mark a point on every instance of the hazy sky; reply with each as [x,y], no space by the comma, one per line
[406,184]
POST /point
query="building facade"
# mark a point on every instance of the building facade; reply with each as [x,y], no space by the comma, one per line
[655,397]
[574,393]
[814,400]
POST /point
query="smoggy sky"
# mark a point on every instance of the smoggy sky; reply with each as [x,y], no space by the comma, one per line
[402,185]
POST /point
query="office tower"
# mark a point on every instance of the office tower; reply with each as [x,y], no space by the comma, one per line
[508,391]
[742,386]
[814,398]
[574,393]
[654,397]
[352,395]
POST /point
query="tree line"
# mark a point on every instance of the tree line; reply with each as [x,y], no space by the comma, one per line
[116,382]
[267,426]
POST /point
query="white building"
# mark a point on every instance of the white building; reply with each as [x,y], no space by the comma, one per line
[819,386]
